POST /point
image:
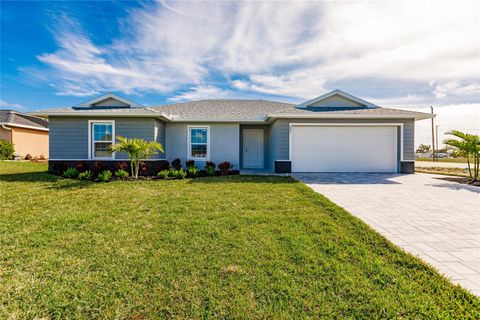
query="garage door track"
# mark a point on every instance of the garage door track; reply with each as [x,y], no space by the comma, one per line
[436,220]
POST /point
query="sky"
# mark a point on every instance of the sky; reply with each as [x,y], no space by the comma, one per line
[400,54]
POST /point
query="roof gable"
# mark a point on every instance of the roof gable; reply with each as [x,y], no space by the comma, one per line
[336,99]
[109,100]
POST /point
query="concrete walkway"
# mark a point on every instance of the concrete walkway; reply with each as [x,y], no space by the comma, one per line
[436,220]
[440,164]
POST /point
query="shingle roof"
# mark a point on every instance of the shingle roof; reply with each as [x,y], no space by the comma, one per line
[222,109]
[234,110]
[22,119]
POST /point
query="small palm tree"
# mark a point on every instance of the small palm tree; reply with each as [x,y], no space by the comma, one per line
[136,149]
[468,146]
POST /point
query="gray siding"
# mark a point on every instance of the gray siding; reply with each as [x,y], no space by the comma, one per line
[224,142]
[69,135]
[336,101]
[279,137]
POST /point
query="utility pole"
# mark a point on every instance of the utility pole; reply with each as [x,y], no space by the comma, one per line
[436,137]
[433,135]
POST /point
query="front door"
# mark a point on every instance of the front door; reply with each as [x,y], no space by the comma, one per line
[253,148]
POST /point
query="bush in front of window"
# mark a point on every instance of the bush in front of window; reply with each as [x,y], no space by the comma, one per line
[224,167]
[210,168]
[143,168]
[122,174]
[177,164]
[70,173]
[6,150]
[180,174]
[190,163]
[104,176]
[98,167]
[122,165]
[193,171]
[86,175]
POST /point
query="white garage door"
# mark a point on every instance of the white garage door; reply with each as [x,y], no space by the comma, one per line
[343,148]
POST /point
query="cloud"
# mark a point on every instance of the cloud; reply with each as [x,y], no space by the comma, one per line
[11,106]
[456,89]
[291,49]
[201,93]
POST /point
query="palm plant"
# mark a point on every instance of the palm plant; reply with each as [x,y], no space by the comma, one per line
[468,146]
[136,149]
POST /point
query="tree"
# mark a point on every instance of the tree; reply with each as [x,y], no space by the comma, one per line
[423,148]
[468,146]
[136,149]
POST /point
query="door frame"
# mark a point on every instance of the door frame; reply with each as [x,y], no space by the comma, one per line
[353,124]
[265,145]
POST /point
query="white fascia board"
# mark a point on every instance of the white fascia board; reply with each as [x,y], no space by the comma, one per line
[106,96]
[101,114]
[356,116]
[336,92]
[22,126]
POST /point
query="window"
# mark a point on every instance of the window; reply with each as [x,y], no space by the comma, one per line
[102,135]
[198,143]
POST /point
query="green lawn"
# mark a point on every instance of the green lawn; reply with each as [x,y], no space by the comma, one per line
[225,247]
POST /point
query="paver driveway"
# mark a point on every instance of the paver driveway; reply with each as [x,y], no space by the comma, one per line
[438,221]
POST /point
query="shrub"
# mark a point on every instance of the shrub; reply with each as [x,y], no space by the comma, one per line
[121,166]
[28,156]
[70,173]
[122,174]
[210,171]
[81,166]
[163,174]
[224,167]
[210,164]
[143,168]
[180,174]
[6,150]
[105,175]
[177,164]
[163,165]
[192,171]
[210,168]
[171,173]
[98,167]
[41,157]
[87,175]
[190,163]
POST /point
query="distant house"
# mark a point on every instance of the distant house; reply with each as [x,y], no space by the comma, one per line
[29,134]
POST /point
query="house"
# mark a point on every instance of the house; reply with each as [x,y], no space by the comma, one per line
[335,132]
[28,134]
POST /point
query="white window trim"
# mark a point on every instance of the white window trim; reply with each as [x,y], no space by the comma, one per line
[90,139]
[189,144]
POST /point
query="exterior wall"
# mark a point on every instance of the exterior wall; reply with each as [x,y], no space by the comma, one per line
[29,141]
[224,142]
[5,134]
[69,135]
[336,101]
[279,137]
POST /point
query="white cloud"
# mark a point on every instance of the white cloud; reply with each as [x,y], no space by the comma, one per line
[456,89]
[294,49]
[201,93]
[11,106]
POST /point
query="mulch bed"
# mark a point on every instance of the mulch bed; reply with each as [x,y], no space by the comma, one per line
[462,180]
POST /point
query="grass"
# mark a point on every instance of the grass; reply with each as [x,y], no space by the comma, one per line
[224,247]
[454,160]
[457,172]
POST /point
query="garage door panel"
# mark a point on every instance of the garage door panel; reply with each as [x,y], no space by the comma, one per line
[344,148]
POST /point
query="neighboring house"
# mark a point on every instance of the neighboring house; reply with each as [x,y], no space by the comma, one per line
[335,132]
[28,134]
